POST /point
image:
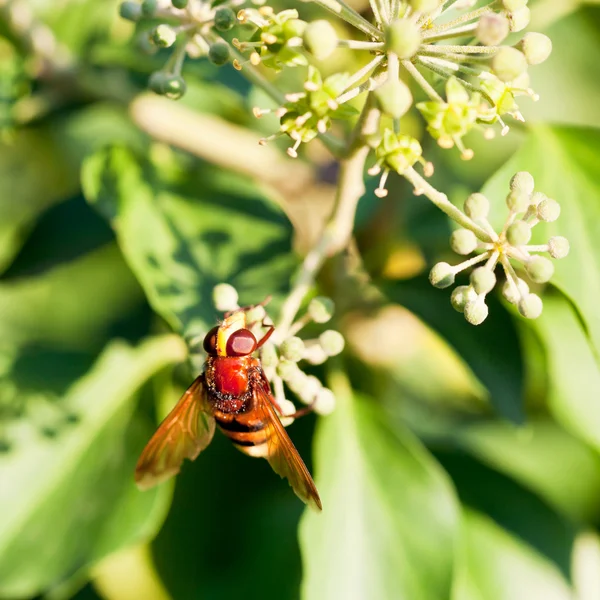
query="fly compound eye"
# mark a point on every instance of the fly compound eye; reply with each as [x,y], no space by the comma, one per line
[210,341]
[241,343]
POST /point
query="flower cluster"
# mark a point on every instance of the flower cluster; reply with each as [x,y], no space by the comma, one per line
[190,27]
[280,358]
[308,113]
[526,208]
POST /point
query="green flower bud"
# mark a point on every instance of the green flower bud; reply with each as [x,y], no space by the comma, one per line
[287,408]
[292,349]
[312,386]
[315,355]
[294,28]
[165,84]
[225,297]
[461,295]
[149,7]
[298,382]
[476,311]
[288,371]
[225,18]
[536,47]
[332,342]
[558,246]
[537,197]
[477,206]
[131,11]
[531,306]
[324,402]
[179,3]
[442,275]
[483,280]
[514,295]
[424,6]
[512,5]
[519,19]
[518,201]
[268,356]
[394,98]
[320,39]
[540,269]
[518,233]
[492,29]
[219,54]
[463,241]
[403,38]
[256,314]
[508,63]
[320,309]
[164,36]
[522,182]
[548,210]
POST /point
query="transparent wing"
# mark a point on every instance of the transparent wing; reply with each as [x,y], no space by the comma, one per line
[184,433]
[282,454]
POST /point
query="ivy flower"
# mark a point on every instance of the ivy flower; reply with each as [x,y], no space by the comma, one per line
[510,248]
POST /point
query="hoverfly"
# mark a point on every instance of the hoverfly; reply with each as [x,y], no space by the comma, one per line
[234,393]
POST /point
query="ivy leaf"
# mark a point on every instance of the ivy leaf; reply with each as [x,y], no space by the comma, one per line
[33,176]
[71,498]
[564,163]
[183,231]
[495,565]
[574,376]
[389,523]
[542,457]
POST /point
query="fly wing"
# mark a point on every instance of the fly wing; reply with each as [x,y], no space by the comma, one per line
[184,433]
[281,453]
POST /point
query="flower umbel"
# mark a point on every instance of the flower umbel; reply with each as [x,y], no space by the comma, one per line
[510,247]
[280,357]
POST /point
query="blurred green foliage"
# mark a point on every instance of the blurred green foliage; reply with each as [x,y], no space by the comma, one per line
[463,462]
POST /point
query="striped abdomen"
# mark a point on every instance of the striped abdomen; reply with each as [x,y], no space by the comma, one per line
[248,432]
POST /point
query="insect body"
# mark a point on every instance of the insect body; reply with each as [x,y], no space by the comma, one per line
[234,393]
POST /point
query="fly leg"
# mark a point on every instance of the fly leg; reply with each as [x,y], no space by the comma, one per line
[304,411]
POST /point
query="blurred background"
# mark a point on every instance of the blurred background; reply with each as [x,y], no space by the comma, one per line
[460,462]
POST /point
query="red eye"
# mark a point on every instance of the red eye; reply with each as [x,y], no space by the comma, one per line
[241,343]
[210,341]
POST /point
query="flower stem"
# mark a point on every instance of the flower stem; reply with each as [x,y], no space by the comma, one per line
[338,230]
[342,10]
[442,202]
[423,83]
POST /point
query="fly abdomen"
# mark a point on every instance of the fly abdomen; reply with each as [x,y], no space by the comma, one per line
[247,435]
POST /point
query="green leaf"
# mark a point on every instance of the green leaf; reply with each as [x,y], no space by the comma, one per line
[184,231]
[564,163]
[495,565]
[574,376]
[71,498]
[33,176]
[491,350]
[73,305]
[542,457]
[512,506]
[389,523]
[576,44]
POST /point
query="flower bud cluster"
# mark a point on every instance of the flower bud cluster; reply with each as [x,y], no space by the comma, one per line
[483,78]
[461,43]
[189,28]
[509,248]
[280,359]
